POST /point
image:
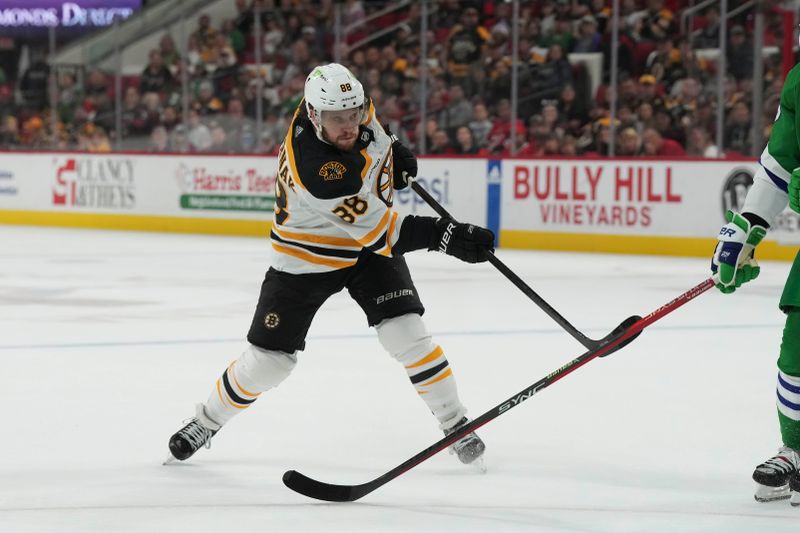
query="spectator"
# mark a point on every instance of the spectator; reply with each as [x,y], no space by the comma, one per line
[33,84]
[178,139]
[629,143]
[457,112]
[569,146]
[466,143]
[572,109]
[480,125]
[206,37]
[698,144]
[739,57]
[589,39]
[207,102]
[561,36]
[156,77]
[497,141]
[152,111]
[738,129]
[597,139]
[134,115]
[657,146]
[100,143]
[226,75]
[170,117]
[663,122]
[440,143]
[535,137]
[645,117]
[267,145]
[465,43]
[70,96]
[708,36]
[553,74]
[169,53]
[243,140]
[628,92]
[220,143]
[657,21]
[649,90]
[234,37]
[199,135]
[159,140]
[551,145]
[301,64]
[274,36]
[9,132]
[665,61]
[551,118]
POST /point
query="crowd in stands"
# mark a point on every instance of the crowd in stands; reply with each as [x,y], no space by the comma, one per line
[666,97]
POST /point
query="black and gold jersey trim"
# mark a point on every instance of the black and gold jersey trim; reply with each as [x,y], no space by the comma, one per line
[319,250]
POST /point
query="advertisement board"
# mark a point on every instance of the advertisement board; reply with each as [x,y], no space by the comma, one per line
[619,206]
[32,17]
[636,206]
[217,194]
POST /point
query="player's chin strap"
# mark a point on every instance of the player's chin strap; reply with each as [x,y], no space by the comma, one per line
[591,344]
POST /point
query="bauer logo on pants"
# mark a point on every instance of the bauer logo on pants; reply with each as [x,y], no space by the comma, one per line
[272,320]
[394,294]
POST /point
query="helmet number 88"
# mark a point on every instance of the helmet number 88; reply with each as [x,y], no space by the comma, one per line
[346,87]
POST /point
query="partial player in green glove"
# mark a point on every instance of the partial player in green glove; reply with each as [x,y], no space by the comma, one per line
[733,263]
[794,191]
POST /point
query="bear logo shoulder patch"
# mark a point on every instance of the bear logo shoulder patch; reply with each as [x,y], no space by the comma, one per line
[332,170]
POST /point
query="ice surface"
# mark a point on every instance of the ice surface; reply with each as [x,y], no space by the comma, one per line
[107,339]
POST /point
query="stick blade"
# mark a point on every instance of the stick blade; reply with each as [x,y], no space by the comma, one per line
[619,330]
[323,491]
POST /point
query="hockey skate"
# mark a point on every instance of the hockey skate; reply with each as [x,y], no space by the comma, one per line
[773,477]
[190,438]
[469,448]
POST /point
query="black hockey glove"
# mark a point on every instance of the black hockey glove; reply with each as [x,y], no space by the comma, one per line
[403,161]
[464,241]
[405,164]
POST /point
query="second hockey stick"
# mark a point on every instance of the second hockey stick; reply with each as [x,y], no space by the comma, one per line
[592,344]
[348,493]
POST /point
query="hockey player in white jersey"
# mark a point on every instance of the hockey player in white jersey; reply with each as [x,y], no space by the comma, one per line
[334,228]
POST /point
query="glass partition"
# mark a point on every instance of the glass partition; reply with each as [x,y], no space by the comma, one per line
[531,78]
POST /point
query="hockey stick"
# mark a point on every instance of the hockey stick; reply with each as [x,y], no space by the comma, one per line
[348,493]
[591,344]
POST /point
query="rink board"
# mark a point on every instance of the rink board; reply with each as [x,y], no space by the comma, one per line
[620,206]
[202,194]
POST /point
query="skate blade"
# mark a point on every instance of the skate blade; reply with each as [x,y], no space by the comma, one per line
[795,501]
[766,494]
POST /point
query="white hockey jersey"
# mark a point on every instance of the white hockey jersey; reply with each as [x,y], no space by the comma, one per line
[330,204]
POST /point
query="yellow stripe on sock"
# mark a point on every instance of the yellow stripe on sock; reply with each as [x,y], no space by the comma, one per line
[437,352]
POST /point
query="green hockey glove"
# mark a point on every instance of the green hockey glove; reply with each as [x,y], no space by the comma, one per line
[794,191]
[733,263]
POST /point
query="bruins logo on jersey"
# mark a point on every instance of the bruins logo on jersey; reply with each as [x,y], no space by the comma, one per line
[332,170]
